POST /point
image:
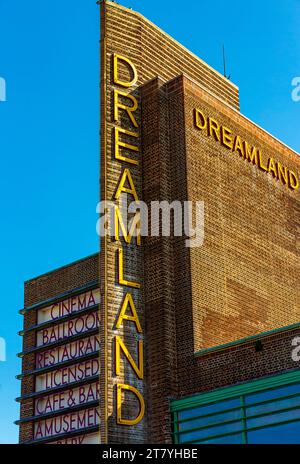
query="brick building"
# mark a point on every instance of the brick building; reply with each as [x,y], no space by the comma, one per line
[153,341]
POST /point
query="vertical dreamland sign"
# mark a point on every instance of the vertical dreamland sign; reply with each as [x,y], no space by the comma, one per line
[122,385]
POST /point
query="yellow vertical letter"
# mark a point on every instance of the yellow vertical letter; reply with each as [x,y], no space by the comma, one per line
[120,420]
[136,224]
[126,176]
[122,281]
[129,109]
[128,146]
[116,60]
[128,301]
[139,370]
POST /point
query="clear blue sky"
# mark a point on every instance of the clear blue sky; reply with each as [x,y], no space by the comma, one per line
[49,124]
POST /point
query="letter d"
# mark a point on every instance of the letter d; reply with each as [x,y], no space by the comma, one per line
[120,420]
[293,180]
[116,60]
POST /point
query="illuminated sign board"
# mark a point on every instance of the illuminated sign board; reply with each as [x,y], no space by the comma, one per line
[70,328]
[65,375]
[67,423]
[69,307]
[67,398]
[246,151]
[58,388]
[84,439]
[68,352]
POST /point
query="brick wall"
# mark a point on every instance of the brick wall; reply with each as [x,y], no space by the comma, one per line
[244,280]
[159,293]
[242,362]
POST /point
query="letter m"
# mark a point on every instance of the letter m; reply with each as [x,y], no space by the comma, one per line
[251,154]
[134,227]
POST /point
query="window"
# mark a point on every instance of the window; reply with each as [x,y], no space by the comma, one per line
[265,411]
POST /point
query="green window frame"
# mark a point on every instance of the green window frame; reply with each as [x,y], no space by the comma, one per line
[239,407]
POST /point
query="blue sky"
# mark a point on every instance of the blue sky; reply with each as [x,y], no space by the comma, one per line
[49,125]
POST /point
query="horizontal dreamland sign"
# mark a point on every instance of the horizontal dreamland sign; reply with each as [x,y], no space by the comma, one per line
[69,306]
[59,401]
[68,374]
[67,423]
[70,328]
[246,151]
[68,352]
[84,439]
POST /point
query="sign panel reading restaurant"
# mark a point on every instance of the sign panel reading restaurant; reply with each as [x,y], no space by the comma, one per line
[70,351]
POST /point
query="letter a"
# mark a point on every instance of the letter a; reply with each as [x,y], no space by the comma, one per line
[128,301]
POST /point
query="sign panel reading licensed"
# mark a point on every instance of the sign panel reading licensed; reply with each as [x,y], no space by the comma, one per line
[66,375]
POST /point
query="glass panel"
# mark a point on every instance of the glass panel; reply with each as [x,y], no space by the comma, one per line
[274,406]
[215,419]
[209,409]
[273,418]
[272,394]
[206,433]
[278,434]
[229,440]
